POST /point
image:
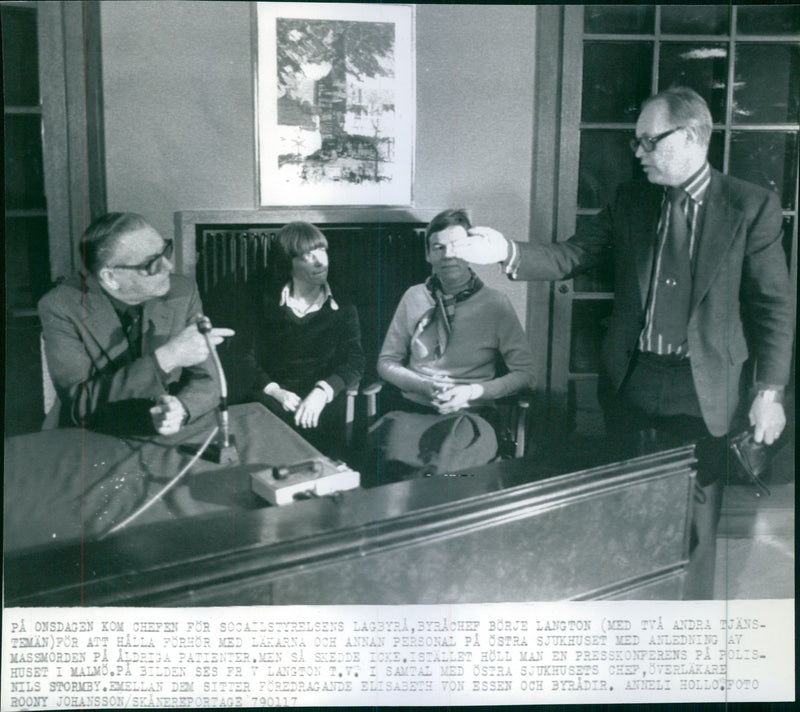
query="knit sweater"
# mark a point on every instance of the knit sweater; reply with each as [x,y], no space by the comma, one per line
[296,352]
[485,328]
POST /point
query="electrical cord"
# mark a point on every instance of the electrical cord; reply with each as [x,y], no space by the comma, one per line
[164,489]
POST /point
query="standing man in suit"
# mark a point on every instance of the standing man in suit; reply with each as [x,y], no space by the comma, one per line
[700,285]
[121,339]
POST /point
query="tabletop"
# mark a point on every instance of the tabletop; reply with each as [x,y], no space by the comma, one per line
[75,484]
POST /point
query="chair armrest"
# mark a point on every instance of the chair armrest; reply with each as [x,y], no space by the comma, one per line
[372,388]
[371,391]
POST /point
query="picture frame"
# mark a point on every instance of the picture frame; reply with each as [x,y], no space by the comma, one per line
[335,103]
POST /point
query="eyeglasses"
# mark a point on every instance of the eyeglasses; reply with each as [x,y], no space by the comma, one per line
[648,143]
[153,265]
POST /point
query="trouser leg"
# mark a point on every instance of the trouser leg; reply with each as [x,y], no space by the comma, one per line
[657,409]
[706,510]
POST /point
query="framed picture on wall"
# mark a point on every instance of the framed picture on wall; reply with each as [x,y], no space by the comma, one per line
[335,103]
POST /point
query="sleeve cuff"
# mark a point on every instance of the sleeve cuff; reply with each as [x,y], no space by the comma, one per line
[770,393]
[511,263]
[271,389]
[326,389]
[163,376]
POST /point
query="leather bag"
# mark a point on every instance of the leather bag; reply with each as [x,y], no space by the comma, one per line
[752,459]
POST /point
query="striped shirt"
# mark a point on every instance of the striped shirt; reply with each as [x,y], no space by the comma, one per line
[696,187]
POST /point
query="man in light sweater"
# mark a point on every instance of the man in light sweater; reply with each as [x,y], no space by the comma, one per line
[447,336]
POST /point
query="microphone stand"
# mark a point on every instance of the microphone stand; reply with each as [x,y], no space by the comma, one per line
[223,452]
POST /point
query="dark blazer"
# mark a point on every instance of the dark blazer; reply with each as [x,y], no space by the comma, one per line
[741,300]
[98,381]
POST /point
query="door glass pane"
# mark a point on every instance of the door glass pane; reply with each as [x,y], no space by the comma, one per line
[616,79]
[695,19]
[600,279]
[589,324]
[27,261]
[605,161]
[703,67]
[20,56]
[768,20]
[767,84]
[767,158]
[24,180]
[623,19]
[716,150]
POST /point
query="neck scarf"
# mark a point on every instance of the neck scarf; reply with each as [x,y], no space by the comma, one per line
[441,315]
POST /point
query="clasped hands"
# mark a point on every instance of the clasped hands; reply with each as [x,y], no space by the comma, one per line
[448,397]
[307,410]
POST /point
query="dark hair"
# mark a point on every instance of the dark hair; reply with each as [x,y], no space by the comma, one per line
[295,239]
[100,238]
[446,218]
[299,237]
[687,108]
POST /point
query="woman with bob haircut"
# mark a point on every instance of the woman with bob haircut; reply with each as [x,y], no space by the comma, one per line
[306,349]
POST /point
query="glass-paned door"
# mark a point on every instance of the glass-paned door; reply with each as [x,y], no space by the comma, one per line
[743,60]
[26,230]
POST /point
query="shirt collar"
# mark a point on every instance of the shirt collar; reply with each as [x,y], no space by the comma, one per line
[697,184]
[286,294]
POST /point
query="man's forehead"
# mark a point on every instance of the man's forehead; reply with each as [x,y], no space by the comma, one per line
[141,242]
[450,233]
[654,114]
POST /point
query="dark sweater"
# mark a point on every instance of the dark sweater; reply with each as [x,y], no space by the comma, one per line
[297,352]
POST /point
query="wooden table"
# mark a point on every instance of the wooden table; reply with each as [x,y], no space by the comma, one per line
[492,534]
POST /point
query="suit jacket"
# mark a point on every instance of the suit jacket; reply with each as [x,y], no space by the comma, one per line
[98,380]
[740,302]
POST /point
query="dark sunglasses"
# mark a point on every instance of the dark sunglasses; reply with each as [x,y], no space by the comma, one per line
[153,265]
[648,143]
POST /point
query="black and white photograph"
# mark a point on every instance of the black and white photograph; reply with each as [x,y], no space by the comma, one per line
[370,354]
[338,127]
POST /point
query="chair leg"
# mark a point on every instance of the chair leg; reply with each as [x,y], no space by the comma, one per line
[521,428]
[349,418]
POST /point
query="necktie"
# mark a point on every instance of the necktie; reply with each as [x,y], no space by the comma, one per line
[675,278]
[132,326]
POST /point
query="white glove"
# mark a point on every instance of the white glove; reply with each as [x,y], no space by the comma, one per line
[481,246]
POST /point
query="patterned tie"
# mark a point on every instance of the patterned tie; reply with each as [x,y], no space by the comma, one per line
[671,313]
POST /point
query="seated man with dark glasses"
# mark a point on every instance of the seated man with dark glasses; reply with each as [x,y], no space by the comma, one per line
[121,338]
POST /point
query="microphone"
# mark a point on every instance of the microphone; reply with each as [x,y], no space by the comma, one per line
[223,452]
